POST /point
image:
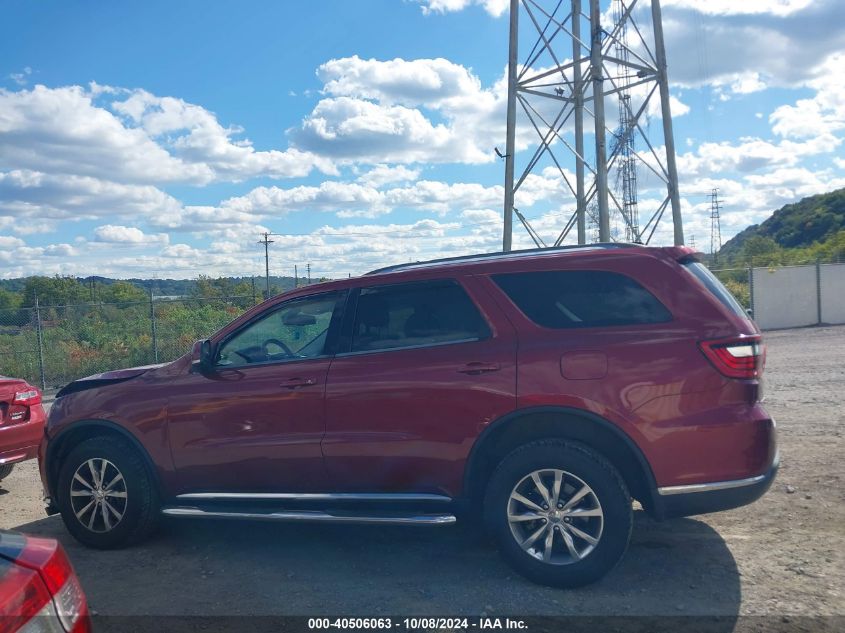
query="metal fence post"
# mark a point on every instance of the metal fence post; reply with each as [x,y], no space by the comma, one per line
[819,290]
[40,337]
[751,290]
[153,326]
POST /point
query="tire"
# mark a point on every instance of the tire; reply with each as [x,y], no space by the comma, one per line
[603,514]
[133,494]
[6,470]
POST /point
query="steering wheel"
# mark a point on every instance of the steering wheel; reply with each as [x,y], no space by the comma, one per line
[274,341]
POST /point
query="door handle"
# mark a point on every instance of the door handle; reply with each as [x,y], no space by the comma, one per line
[475,368]
[295,383]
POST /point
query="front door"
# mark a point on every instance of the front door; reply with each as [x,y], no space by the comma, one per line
[254,422]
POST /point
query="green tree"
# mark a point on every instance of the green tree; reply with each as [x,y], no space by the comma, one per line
[123,292]
[10,300]
[761,251]
[54,291]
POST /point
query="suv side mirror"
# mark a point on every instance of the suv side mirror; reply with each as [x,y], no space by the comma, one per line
[201,356]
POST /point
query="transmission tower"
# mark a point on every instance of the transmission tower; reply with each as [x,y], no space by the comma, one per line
[555,95]
[626,174]
[715,224]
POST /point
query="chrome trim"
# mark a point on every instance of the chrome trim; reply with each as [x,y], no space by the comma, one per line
[314,516]
[318,496]
[718,485]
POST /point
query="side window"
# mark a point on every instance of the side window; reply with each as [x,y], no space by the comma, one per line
[296,329]
[582,298]
[415,314]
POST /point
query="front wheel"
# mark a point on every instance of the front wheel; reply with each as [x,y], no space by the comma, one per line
[560,513]
[106,494]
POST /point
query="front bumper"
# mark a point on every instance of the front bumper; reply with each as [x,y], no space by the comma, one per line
[681,501]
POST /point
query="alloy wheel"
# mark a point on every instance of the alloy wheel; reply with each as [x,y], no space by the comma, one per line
[98,495]
[555,516]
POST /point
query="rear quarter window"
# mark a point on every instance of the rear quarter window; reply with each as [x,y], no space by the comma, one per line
[582,298]
[716,287]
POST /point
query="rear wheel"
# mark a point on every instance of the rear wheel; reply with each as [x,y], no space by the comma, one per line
[6,470]
[106,495]
[560,513]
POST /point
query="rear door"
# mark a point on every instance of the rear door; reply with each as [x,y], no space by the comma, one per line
[424,367]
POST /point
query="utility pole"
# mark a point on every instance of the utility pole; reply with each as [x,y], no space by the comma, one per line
[295,277]
[308,268]
[266,241]
[715,225]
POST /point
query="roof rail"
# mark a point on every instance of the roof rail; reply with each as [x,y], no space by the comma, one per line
[500,255]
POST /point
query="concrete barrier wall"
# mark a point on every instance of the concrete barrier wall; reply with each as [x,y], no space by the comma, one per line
[832,286]
[785,297]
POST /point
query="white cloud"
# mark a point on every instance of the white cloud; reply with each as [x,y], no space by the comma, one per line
[746,46]
[404,111]
[354,129]
[21,78]
[142,139]
[195,135]
[28,194]
[820,115]
[752,154]
[381,175]
[430,82]
[493,7]
[128,235]
[62,130]
[356,200]
[747,7]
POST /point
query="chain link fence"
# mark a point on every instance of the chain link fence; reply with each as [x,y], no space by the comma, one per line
[51,346]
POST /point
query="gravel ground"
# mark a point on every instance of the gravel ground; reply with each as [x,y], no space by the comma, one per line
[782,556]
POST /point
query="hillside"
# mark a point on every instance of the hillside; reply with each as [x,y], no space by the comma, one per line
[812,220]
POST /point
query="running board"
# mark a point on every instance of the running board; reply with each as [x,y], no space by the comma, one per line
[314,516]
[317,496]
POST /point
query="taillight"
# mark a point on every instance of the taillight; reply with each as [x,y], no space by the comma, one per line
[736,358]
[24,597]
[27,398]
[68,602]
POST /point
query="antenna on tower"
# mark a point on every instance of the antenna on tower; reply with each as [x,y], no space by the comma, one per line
[626,174]
[715,225]
[555,95]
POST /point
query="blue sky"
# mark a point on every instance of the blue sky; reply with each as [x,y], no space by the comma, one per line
[160,138]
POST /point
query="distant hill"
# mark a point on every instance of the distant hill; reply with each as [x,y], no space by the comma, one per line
[799,225]
[165,287]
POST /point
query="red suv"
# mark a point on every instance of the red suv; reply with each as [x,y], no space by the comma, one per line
[540,390]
